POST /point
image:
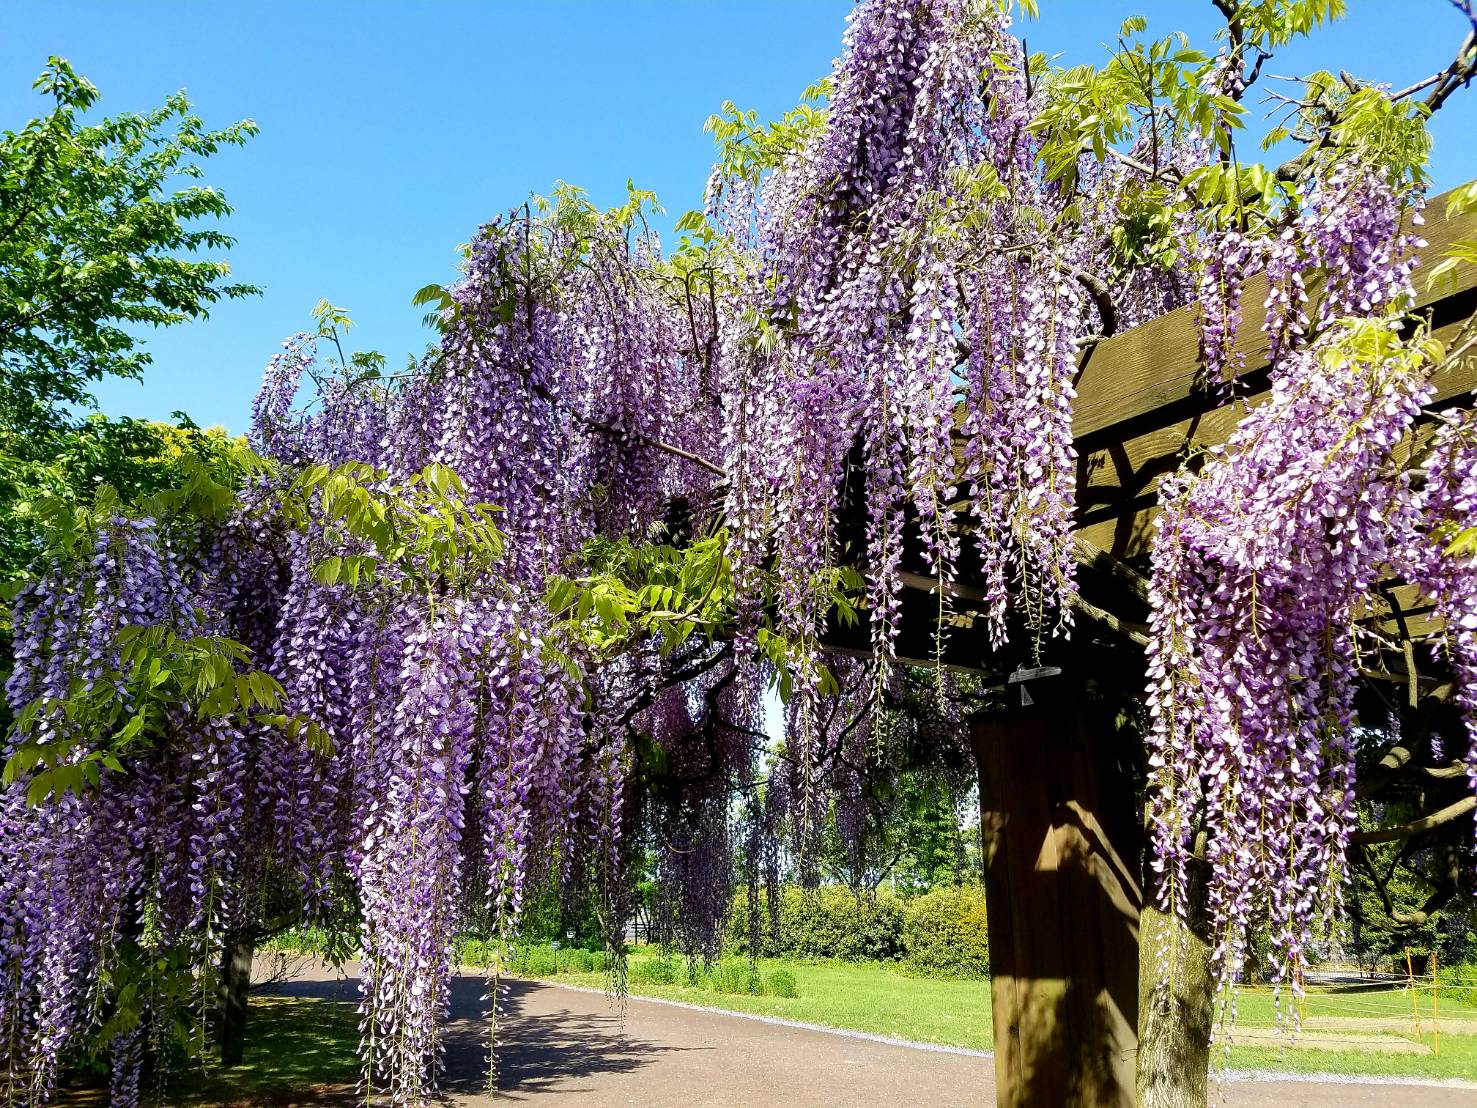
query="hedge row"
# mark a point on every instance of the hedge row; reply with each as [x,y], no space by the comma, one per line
[941,933]
[1459,982]
[727,975]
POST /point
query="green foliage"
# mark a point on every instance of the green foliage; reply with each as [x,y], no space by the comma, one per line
[336,944]
[1463,252]
[1273,23]
[532,959]
[360,366]
[728,976]
[909,830]
[747,149]
[781,982]
[1458,982]
[422,528]
[96,239]
[93,243]
[826,922]
[59,467]
[137,706]
[662,970]
[736,976]
[1161,84]
[946,933]
[162,677]
[1167,90]
[632,592]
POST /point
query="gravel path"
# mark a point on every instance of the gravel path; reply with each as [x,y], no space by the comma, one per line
[555,1041]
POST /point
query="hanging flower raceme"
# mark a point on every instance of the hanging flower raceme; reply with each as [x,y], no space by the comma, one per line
[904,271]
[105,871]
[1442,560]
[905,290]
[1261,562]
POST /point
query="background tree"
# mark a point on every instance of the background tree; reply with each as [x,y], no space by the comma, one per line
[102,224]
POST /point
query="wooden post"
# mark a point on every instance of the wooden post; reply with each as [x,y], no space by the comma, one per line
[1061,843]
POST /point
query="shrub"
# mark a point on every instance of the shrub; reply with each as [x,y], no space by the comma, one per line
[828,922]
[781,982]
[661,970]
[735,975]
[535,960]
[946,933]
[1459,982]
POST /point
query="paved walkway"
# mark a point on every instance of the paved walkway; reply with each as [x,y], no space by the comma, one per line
[562,1045]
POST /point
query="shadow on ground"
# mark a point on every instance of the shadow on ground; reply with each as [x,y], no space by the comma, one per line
[543,1044]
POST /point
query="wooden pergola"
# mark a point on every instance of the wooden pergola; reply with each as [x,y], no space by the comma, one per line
[1062,834]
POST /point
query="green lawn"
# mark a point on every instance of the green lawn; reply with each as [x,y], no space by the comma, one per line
[860,998]
[298,1051]
[1458,1059]
[882,1001]
[1383,1004]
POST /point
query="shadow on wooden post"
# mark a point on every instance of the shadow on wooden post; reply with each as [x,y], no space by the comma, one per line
[1062,846]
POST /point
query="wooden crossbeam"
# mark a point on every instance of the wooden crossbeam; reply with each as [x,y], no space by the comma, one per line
[1140,409]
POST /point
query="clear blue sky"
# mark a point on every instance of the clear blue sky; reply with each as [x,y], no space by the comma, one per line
[391,130]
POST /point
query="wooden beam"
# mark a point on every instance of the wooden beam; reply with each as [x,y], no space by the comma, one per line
[1117,480]
[1152,371]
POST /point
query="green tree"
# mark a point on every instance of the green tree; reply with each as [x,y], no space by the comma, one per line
[96,240]
[98,237]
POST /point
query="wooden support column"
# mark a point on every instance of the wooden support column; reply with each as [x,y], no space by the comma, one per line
[1061,847]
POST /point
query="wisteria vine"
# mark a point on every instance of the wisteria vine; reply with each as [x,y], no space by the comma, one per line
[454,636]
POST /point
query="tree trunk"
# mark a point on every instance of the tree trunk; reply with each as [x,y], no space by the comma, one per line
[1176,1001]
[1061,844]
[235,988]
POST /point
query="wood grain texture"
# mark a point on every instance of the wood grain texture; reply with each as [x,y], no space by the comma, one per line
[1061,852]
[1154,366]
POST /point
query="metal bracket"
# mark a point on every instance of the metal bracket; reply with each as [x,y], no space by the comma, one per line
[1023,677]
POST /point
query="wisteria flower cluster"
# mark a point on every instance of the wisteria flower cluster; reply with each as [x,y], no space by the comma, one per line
[454,709]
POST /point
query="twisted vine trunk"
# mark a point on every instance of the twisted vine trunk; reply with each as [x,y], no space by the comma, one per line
[1176,999]
[235,988]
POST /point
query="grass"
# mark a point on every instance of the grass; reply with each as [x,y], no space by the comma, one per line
[882,1001]
[1458,1059]
[874,999]
[298,1051]
[1392,1005]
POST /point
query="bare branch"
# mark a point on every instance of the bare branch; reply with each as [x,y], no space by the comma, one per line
[1461,70]
[1416,827]
[655,443]
[1167,173]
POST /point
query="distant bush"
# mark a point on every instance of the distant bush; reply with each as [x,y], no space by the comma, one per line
[336,945]
[736,975]
[780,982]
[662,970]
[828,922]
[945,932]
[1458,982]
[535,959]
